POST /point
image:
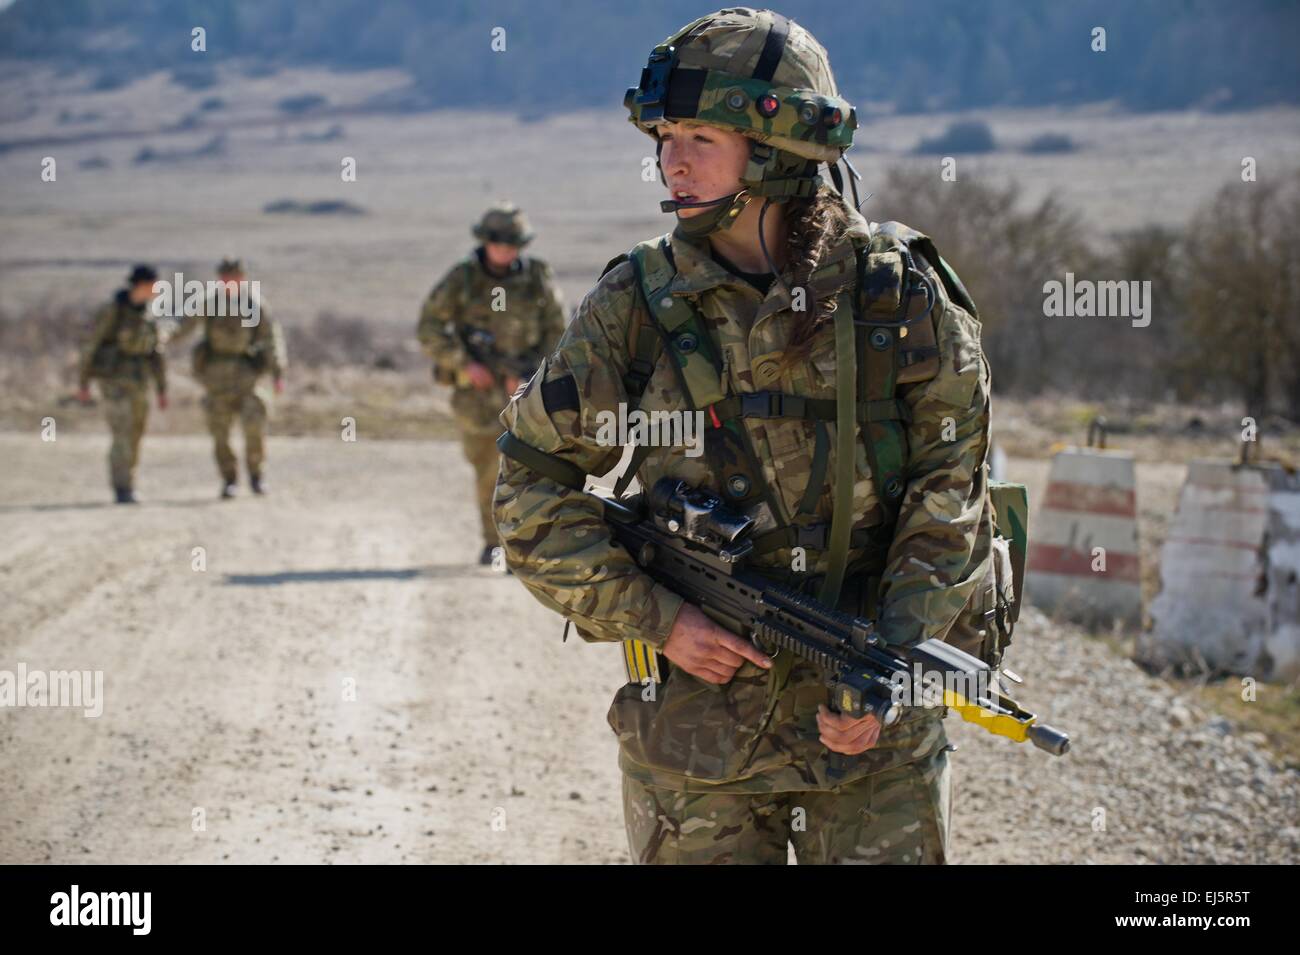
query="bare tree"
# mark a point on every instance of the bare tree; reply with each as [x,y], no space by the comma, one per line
[1242,329]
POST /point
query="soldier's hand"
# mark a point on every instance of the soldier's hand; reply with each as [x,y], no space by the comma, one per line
[512,384]
[705,650]
[479,376]
[83,395]
[846,734]
[162,401]
[278,384]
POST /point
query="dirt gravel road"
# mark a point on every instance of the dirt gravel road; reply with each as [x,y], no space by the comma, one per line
[338,681]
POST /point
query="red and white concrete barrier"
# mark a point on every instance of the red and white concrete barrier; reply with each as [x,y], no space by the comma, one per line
[1083,550]
[1229,591]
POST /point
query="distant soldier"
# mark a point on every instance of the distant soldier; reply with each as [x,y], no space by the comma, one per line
[241,348]
[487,326]
[122,352]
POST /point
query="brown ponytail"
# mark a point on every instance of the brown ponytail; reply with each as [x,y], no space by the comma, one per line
[813,226]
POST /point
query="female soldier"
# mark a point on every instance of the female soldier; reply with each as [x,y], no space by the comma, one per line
[771,293]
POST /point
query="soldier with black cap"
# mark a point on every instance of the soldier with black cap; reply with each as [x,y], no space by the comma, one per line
[122,352]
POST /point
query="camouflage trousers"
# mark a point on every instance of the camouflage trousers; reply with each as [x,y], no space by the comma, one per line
[222,408]
[476,418]
[480,447]
[126,404]
[897,816]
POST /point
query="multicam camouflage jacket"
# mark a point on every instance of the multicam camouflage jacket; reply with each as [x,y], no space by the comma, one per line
[123,345]
[507,323]
[230,355]
[748,736]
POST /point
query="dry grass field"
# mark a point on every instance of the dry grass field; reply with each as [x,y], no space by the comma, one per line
[422,178]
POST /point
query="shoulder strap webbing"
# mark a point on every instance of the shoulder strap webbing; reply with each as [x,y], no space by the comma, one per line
[673,325]
[210,307]
[878,344]
[846,386]
[117,321]
[548,465]
[650,263]
[646,350]
[817,476]
[691,346]
[534,275]
[644,346]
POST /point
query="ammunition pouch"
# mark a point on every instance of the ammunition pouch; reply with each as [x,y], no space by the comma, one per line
[985,625]
[1005,596]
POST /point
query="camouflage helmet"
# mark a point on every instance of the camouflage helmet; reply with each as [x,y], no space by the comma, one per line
[504,223]
[757,73]
[752,71]
[230,265]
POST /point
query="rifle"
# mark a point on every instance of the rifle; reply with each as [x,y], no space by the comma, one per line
[480,345]
[692,543]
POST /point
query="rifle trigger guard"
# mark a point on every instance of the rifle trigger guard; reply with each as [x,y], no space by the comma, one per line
[764,643]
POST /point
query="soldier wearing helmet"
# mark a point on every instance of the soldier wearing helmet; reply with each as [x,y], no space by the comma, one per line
[777,313]
[486,325]
[240,351]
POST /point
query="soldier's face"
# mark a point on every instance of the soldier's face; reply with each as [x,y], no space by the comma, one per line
[701,162]
[500,255]
[141,292]
[231,280]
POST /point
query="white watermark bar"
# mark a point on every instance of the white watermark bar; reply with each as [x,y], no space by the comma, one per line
[187,299]
[927,688]
[129,909]
[1084,298]
[656,429]
[78,689]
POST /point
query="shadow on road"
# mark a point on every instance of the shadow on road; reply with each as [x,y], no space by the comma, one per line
[334,576]
[99,505]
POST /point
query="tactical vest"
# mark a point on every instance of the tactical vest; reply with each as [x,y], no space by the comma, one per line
[535,290]
[890,345]
[203,354]
[471,265]
[114,357]
[894,345]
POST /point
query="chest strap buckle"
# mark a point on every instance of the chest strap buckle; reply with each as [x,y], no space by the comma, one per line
[811,536]
[772,404]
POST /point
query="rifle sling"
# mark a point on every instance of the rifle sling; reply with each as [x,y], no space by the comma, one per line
[548,465]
